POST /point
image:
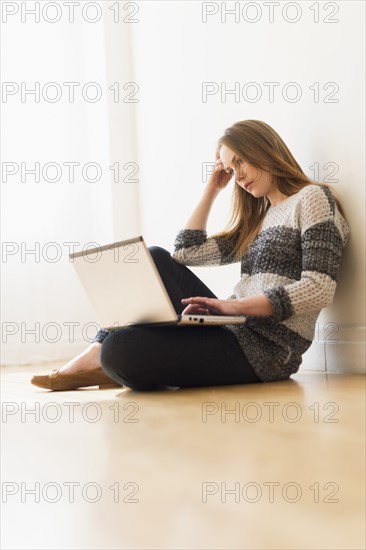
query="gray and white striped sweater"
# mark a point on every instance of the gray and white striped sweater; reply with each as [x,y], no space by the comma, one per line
[294,261]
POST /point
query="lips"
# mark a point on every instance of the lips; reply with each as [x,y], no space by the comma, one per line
[246,185]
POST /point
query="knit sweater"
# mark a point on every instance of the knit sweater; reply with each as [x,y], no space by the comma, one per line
[294,261]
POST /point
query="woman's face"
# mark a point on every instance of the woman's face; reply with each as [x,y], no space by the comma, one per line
[254,180]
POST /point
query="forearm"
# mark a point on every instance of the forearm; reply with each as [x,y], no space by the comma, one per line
[199,217]
[256,305]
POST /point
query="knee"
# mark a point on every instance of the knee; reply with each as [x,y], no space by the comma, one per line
[159,254]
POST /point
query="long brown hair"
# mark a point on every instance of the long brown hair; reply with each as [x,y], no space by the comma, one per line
[258,144]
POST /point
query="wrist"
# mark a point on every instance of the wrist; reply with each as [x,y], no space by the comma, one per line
[211,191]
[258,305]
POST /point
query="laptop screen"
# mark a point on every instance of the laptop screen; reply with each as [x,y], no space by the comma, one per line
[123,284]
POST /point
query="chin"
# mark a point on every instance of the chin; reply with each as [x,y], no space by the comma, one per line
[254,193]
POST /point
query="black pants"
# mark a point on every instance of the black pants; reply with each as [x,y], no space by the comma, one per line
[154,357]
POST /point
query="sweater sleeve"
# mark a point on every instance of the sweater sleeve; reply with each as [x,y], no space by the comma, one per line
[324,233]
[193,247]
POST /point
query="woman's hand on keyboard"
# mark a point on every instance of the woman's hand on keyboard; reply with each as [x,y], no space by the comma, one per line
[211,306]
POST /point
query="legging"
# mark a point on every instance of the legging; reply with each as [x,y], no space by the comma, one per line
[152,357]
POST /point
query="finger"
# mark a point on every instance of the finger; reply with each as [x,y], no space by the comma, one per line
[215,311]
[215,308]
[195,299]
[219,164]
[194,309]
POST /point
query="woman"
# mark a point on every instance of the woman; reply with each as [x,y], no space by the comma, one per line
[287,231]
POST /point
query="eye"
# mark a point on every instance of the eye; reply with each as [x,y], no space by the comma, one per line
[239,161]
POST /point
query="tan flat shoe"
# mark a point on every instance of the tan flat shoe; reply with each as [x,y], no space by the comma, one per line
[58,381]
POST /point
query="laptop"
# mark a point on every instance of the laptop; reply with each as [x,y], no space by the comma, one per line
[124,287]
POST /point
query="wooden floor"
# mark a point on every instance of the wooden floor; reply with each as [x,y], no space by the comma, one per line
[272,466]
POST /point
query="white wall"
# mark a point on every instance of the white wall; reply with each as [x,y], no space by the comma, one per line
[170,52]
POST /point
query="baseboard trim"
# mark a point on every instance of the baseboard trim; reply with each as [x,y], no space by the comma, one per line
[339,349]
